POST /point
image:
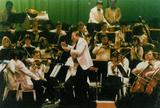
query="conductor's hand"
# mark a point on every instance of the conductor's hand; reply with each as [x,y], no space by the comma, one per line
[64,47]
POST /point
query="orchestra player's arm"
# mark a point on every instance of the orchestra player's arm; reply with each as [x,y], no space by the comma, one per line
[23,68]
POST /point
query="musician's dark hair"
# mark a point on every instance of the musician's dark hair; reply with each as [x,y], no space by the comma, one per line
[80,24]
[135,38]
[36,51]
[18,54]
[9,3]
[137,29]
[27,37]
[153,52]
[99,2]
[58,23]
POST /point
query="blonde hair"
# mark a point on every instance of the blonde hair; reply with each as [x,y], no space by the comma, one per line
[4,41]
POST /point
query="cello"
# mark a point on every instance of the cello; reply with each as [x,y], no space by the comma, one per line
[146,84]
[141,81]
[153,81]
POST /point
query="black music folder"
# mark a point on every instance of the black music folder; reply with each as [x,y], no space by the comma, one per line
[17,17]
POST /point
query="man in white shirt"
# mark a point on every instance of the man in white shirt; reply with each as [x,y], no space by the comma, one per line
[96,13]
[143,69]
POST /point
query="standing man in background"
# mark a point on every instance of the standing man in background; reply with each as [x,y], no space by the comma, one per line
[96,17]
[113,13]
[96,13]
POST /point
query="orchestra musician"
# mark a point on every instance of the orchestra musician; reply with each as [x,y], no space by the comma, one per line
[139,88]
[5,25]
[59,33]
[139,31]
[102,51]
[119,37]
[101,33]
[96,17]
[40,67]
[16,77]
[113,13]
[117,78]
[36,66]
[28,47]
[79,61]
[96,14]
[45,48]
[6,43]
[136,52]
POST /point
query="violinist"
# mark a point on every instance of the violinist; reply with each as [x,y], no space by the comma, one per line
[102,51]
[117,67]
[140,96]
[37,66]
[45,86]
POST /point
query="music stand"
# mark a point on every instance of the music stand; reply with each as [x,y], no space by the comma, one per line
[17,17]
[6,54]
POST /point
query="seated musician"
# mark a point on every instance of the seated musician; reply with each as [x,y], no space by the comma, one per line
[6,43]
[28,47]
[58,29]
[5,25]
[59,32]
[44,48]
[36,64]
[138,30]
[117,59]
[119,37]
[16,77]
[102,51]
[118,73]
[104,28]
[140,92]
[40,67]
[101,33]
[136,52]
